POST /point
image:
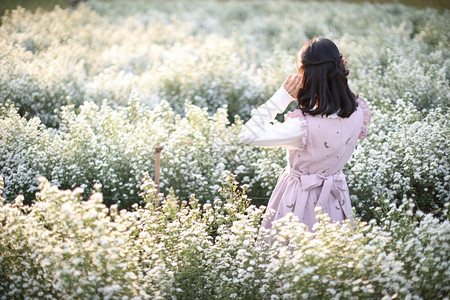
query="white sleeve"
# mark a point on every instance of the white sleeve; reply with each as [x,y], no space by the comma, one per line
[258,131]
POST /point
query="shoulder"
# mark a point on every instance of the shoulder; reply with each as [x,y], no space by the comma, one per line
[299,116]
[366,116]
[297,113]
[363,104]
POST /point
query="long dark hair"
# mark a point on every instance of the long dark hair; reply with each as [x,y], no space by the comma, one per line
[325,89]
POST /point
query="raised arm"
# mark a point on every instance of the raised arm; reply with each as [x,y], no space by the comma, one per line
[259,131]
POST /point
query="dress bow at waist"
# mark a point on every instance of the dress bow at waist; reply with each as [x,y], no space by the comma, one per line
[333,184]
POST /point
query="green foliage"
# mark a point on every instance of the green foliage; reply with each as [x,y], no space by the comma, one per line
[65,247]
[194,71]
[405,154]
[213,53]
[87,94]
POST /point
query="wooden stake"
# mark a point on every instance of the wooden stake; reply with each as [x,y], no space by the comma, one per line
[158,150]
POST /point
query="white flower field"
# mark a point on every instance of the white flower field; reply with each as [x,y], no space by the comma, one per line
[86,94]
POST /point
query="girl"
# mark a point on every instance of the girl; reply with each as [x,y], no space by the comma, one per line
[319,135]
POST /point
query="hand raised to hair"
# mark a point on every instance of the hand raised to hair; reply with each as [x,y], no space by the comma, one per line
[292,84]
[344,60]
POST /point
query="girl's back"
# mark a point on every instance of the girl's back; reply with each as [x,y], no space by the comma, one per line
[328,142]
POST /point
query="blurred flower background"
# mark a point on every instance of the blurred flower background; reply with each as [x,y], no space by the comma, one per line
[87,92]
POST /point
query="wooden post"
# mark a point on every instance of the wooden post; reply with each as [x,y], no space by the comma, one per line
[158,150]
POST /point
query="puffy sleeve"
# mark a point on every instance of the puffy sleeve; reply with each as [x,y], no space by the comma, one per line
[367,117]
[259,131]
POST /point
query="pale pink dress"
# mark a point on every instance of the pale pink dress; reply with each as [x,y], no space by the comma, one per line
[317,150]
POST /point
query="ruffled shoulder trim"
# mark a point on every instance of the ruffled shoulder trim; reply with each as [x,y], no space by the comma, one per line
[367,117]
[298,113]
